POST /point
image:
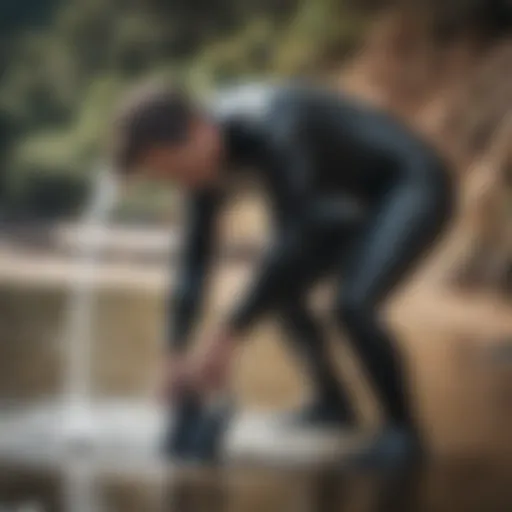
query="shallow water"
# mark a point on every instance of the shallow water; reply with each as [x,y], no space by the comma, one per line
[439,489]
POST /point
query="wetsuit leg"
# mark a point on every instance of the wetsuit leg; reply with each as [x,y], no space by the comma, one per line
[399,231]
[330,403]
[335,230]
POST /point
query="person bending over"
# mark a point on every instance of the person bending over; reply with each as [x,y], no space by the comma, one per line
[311,149]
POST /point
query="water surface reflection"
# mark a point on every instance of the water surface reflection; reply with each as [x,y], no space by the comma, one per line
[465,487]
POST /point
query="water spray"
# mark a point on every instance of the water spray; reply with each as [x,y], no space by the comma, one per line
[78,421]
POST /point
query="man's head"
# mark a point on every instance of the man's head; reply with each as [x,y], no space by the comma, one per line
[159,132]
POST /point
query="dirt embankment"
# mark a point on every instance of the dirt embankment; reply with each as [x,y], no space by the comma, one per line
[459,94]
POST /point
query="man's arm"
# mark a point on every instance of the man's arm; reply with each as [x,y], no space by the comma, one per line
[185,299]
[277,277]
[279,273]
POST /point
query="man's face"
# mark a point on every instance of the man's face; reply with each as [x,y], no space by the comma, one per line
[193,163]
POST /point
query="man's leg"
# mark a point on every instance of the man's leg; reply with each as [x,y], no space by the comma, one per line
[400,232]
[304,335]
[330,403]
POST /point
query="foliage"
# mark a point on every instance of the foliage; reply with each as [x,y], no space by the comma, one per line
[63,75]
[64,63]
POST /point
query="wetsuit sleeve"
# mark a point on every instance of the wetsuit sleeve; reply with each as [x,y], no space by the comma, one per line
[290,182]
[276,279]
[185,297]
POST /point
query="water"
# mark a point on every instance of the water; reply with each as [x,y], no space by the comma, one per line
[81,430]
[79,493]
[438,489]
[78,421]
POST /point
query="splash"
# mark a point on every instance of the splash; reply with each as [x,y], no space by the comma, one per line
[78,331]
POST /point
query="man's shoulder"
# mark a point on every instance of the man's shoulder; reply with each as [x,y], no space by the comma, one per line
[246,100]
[259,98]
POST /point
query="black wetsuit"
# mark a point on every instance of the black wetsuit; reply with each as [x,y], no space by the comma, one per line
[311,148]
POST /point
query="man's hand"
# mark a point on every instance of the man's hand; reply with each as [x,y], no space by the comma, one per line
[205,373]
[174,379]
[210,372]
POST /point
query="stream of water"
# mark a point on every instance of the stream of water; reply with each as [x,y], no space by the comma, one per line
[78,329]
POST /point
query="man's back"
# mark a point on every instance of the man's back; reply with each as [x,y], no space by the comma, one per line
[350,147]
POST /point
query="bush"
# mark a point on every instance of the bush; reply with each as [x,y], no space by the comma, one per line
[47,195]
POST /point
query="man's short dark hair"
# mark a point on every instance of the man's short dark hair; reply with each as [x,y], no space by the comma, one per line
[151,114]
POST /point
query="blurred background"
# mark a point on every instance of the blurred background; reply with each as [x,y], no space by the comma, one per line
[444,67]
